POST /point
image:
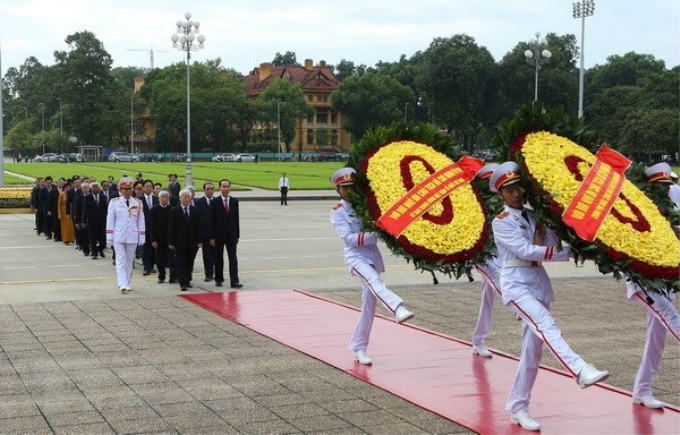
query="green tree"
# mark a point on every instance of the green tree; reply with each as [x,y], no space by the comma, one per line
[287,59]
[292,107]
[347,68]
[650,132]
[459,78]
[370,101]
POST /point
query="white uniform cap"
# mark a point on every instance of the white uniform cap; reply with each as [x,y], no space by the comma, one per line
[125,183]
[659,173]
[487,171]
[343,177]
[504,175]
[674,176]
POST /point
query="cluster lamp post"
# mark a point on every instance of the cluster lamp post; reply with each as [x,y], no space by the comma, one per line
[61,127]
[581,10]
[183,40]
[278,129]
[537,58]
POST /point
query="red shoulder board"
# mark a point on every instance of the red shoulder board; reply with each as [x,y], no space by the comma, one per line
[337,206]
[502,215]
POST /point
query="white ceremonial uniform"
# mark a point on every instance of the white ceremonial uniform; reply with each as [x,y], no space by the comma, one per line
[364,261]
[662,316]
[527,289]
[125,229]
[674,193]
[491,287]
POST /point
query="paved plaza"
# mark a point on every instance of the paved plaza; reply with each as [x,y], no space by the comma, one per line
[77,356]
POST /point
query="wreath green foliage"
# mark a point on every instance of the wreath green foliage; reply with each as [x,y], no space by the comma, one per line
[531,119]
[422,133]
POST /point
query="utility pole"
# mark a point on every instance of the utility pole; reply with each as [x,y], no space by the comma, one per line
[151,52]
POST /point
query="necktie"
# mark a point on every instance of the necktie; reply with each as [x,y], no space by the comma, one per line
[96,199]
[226,205]
[127,202]
[186,211]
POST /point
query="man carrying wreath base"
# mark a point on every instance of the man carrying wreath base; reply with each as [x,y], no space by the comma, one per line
[523,243]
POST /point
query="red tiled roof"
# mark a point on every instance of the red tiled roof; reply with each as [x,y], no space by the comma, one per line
[319,78]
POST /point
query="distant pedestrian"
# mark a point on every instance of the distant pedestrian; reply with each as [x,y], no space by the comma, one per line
[284,185]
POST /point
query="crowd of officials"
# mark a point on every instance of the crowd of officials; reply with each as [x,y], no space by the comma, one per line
[141,219]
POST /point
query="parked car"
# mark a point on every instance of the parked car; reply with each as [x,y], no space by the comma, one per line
[149,157]
[122,157]
[179,157]
[70,157]
[328,157]
[47,157]
[244,158]
[226,157]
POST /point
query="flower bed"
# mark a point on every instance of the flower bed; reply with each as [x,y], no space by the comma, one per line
[15,197]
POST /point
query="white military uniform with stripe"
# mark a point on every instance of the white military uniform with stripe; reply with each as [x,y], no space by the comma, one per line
[364,261]
[527,289]
[125,229]
[491,287]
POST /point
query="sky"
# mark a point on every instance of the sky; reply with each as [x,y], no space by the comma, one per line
[245,33]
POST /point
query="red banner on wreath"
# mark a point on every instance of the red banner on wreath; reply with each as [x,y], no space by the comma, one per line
[427,193]
[597,193]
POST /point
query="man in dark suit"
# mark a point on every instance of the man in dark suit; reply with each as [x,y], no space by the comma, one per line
[225,231]
[44,206]
[160,225]
[184,237]
[203,205]
[174,186]
[79,203]
[93,220]
[71,196]
[54,209]
[35,197]
[148,202]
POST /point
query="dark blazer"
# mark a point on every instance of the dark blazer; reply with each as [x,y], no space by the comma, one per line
[175,187]
[78,204]
[54,201]
[35,195]
[225,227]
[94,215]
[184,233]
[160,224]
[147,210]
[203,205]
[44,198]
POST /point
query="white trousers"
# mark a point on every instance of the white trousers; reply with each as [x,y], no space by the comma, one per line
[489,290]
[662,316]
[538,327]
[373,289]
[125,258]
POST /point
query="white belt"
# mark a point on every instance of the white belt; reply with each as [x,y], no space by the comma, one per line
[520,263]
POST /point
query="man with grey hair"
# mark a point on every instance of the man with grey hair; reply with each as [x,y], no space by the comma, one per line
[94,220]
[184,237]
[193,194]
[160,224]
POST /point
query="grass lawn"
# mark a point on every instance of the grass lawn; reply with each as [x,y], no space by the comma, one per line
[264,175]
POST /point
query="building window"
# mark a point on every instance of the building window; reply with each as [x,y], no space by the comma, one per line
[334,119]
[322,117]
[310,97]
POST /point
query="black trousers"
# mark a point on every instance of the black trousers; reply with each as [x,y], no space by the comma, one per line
[208,259]
[219,262]
[284,195]
[97,236]
[148,256]
[39,222]
[165,257]
[184,260]
[47,224]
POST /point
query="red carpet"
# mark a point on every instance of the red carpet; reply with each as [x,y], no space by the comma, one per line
[434,371]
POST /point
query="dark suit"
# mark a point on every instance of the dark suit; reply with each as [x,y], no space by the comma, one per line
[175,187]
[44,209]
[159,229]
[71,210]
[79,203]
[148,254]
[226,232]
[35,198]
[54,209]
[203,205]
[94,218]
[184,235]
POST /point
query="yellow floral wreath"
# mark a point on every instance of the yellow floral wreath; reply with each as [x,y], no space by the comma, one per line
[453,230]
[634,229]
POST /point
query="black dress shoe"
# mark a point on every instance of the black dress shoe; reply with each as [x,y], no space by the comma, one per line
[190,286]
[218,283]
[101,253]
[146,272]
[161,280]
[207,279]
[86,253]
[48,238]
[171,281]
[183,289]
[237,285]
[94,257]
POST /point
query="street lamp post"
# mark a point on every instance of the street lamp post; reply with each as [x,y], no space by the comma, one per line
[278,129]
[42,108]
[406,112]
[582,10]
[185,42]
[132,124]
[61,127]
[537,58]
